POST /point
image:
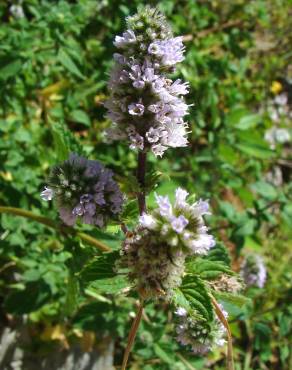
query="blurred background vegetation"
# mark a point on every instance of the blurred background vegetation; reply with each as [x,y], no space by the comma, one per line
[54,62]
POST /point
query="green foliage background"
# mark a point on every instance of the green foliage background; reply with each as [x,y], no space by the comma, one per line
[54,65]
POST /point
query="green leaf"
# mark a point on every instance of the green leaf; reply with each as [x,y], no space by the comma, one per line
[196,294]
[33,297]
[11,69]
[80,116]
[206,269]
[246,227]
[248,122]
[265,189]
[111,285]
[99,275]
[71,296]
[162,354]
[102,267]
[130,211]
[151,180]
[252,143]
[236,299]
[64,141]
[219,253]
[69,64]
[61,147]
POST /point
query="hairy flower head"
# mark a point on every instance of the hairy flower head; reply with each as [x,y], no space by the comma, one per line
[199,335]
[83,189]
[155,252]
[253,271]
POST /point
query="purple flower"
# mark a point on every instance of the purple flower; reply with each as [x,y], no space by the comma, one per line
[47,194]
[84,189]
[165,208]
[127,38]
[179,223]
[136,109]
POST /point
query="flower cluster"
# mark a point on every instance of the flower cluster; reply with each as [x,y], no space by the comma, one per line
[253,271]
[199,335]
[86,189]
[226,283]
[146,107]
[156,251]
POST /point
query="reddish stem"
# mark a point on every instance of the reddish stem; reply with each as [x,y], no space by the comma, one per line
[141,172]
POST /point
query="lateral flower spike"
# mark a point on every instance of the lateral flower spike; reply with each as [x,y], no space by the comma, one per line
[84,189]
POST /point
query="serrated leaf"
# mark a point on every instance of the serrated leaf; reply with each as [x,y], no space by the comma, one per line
[130,211]
[219,253]
[198,301]
[197,296]
[180,300]
[64,141]
[152,180]
[102,267]
[206,269]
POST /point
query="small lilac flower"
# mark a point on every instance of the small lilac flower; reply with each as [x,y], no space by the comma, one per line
[179,223]
[158,149]
[147,221]
[136,109]
[47,194]
[153,135]
[127,38]
[165,208]
[201,208]
[202,244]
[181,311]
[180,197]
[137,141]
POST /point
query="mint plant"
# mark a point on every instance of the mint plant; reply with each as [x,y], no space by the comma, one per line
[167,255]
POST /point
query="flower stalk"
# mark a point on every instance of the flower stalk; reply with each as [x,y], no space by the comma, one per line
[141,172]
[132,334]
[50,223]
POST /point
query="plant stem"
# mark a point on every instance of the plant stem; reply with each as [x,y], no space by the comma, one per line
[141,198]
[141,171]
[50,223]
[132,335]
[221,317]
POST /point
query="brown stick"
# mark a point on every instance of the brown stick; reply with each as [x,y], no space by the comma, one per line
[132,335]
[221,317]
[208,31]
